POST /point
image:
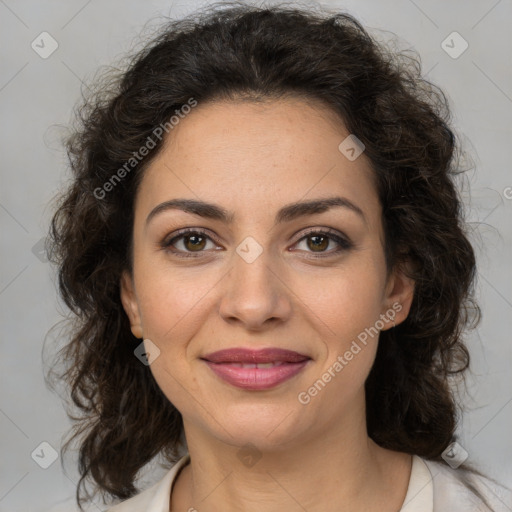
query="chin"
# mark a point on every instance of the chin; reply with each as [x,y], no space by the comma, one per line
[268,427]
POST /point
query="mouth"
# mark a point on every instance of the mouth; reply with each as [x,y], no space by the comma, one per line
[256,369]
[251,356]
[254,365]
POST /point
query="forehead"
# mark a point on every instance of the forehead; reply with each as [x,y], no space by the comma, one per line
[247,155]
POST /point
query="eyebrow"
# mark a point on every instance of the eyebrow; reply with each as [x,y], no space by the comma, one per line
[285,214]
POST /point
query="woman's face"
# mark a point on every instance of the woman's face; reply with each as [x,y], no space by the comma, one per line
[261,278]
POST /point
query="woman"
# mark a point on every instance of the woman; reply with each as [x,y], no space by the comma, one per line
[264,247]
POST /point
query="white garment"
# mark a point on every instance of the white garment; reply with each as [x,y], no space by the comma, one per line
[433,487]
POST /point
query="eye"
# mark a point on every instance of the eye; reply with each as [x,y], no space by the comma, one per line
[191,240]
[194,242]
[318,240]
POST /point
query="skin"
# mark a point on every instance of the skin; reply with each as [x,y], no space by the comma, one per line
[252,159]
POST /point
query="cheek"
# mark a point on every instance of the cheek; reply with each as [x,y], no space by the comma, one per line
[346,312]
[346,305]
[173,310]
[173,302]
[346,300]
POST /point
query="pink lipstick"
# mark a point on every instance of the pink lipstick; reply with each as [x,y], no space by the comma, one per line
[256,369]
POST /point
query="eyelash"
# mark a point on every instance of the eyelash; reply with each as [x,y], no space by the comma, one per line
[344,243]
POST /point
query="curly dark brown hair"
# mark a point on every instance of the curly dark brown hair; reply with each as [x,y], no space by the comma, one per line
[255,53]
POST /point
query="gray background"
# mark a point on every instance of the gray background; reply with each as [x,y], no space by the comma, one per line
[36,99]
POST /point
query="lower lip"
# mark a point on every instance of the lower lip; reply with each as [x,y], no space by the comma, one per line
[256,378]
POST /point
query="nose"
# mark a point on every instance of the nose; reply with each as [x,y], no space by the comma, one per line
[254,295]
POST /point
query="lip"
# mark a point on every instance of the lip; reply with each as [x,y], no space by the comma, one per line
[266,355]
[226,364]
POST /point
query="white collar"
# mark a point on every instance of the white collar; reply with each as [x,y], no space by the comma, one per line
[420,493]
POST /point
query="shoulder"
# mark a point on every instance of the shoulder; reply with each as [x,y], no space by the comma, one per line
[139,502]
[156,497]
[461,490]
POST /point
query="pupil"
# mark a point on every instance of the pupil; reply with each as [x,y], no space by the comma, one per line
[198,241]
[316,245]
[195,244]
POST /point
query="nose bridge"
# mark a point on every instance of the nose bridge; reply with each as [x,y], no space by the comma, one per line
[254,292]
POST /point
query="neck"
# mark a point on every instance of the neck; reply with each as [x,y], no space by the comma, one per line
[332,471]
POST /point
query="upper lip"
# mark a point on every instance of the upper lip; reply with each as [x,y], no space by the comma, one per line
[244,355]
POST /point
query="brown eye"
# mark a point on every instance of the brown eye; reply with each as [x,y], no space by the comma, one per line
[187,242]
[317,241]
[194,242]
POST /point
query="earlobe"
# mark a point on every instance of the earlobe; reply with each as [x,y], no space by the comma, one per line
[130,304]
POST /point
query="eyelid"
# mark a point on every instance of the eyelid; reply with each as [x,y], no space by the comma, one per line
[184,231]
[324,231]
[343,241]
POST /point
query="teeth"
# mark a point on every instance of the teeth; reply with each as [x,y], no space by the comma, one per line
[256,365]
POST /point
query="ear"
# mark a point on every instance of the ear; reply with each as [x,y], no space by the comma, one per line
[399,295]
[130,304]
